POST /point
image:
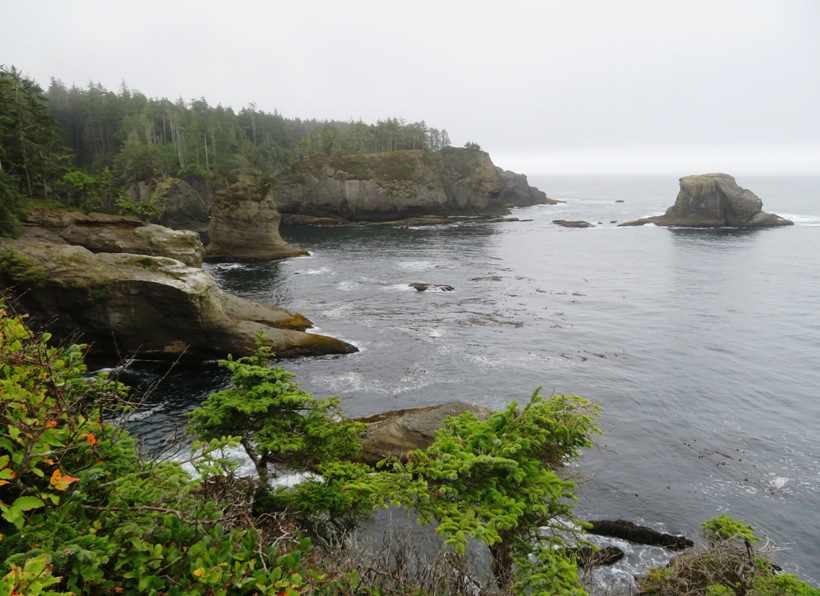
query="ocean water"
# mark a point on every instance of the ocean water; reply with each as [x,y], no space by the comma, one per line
[702,346]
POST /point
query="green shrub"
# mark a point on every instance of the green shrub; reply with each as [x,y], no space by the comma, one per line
[494,480]
[82,512]
[728,564]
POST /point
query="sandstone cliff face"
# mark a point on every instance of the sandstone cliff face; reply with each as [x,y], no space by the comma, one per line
[245,225]
[181,206]
[714,201]
[401,185]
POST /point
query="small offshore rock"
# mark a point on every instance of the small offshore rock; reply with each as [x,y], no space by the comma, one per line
[422,287]
[627,530]
[572,223]
[590,557]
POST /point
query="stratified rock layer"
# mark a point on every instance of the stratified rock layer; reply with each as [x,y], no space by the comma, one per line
[135,304]
[714,201]
[400,185]
[102,232]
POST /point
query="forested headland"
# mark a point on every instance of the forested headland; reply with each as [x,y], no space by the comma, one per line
[85,146]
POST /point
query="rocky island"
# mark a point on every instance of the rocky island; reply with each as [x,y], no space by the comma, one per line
[714,201]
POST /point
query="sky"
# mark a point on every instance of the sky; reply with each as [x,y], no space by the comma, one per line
[545,86]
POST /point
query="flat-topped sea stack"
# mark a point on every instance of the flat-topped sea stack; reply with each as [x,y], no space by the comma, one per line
[714,201]
[399,185]
[245,225]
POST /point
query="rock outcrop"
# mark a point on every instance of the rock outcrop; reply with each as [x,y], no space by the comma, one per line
[399,432]
[101,232]
[627,530]
[572,223]
[402,184]
[714,201]
[245,225]
[423,287]
[122,303]
[181,206]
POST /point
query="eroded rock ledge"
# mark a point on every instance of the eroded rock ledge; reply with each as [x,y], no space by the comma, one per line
[125,303]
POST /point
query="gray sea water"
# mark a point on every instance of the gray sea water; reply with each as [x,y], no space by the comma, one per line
[702,346]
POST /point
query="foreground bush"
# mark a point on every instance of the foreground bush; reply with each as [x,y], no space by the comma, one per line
[730,564]
[82,512]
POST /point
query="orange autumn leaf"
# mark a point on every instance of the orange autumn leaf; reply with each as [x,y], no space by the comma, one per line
[60,481]
[51,424]
[199,572]
[92,440]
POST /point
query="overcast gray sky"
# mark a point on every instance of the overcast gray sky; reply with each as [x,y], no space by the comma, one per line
[546,86]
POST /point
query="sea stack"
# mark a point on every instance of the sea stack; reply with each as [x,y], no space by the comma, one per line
[714,201]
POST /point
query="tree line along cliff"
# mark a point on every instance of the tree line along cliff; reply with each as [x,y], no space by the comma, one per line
[94,146]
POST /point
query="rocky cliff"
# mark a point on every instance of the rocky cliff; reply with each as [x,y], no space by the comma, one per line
[401,185]
[126,303]
[714,201]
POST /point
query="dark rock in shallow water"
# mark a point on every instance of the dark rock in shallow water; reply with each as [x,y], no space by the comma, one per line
[572,223]
[714,201]
[589,557]
[422,287]
[627,530]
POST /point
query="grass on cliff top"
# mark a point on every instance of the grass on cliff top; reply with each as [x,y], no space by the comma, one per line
[393,165]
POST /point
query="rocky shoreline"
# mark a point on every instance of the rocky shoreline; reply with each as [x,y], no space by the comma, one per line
[133,289]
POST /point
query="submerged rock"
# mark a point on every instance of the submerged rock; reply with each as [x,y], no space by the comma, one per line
[149,306]
[399,432]
[572,223]
[714,201]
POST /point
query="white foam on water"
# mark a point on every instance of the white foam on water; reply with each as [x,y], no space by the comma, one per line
[348,286]
[228,266]
[398,288]
[416,265]
[778,482]
[802,220]
[320,271]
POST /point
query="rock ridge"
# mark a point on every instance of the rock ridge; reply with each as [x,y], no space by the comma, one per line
[373,187]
